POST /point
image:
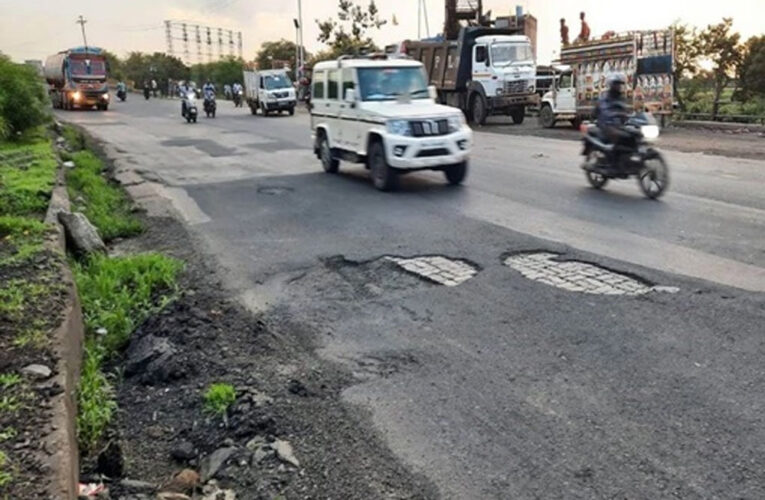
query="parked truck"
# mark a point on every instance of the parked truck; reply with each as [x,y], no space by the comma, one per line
[77,78]
[485,71]
[644,58]
[269,91]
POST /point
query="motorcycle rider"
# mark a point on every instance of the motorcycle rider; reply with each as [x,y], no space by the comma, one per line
[184,91]
[121,89]
[237,89]
[611,113]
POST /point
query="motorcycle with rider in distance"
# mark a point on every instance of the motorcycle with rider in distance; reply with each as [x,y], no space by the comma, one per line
[633,155]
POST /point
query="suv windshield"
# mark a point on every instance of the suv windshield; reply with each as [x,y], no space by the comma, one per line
[387,84]
[275,82]
[503,54]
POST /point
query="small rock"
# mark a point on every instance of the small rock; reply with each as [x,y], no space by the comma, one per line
[255,443]
[296,387]
[211,491]
[183,451]
[154,431]
[69,164]
[261,454]
[212,463]
[60,140]
[101,331]
[81,236]
[39,372]
[133,486]
[183,482]
[228,442]
[284,451]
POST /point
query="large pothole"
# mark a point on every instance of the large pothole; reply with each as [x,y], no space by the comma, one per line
[436,268]
[576,276]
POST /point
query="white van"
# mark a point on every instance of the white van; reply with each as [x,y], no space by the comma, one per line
[269,91]
[380,112]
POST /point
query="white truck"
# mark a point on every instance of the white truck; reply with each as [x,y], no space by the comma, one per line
[269,91]
[486,71]
[381,112]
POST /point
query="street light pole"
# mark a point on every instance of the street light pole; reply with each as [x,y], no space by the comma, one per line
[301,55]
[81,21]
[297,49]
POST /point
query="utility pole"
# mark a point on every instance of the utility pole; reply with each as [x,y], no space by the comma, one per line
[81,21]
[297,49]
[300,22]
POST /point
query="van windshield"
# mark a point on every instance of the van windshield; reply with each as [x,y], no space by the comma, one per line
[504,54]
[276,82]
[388,84]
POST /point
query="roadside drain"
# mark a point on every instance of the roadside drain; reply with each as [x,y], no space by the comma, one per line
[575,276]
[448,272]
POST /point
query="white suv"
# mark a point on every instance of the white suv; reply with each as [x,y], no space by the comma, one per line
[381,112]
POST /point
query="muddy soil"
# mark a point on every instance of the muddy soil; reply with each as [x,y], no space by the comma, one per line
[284,392]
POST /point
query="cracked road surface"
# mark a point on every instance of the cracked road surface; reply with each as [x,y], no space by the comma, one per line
[500,386]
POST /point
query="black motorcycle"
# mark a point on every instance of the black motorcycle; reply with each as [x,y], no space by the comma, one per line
[121,95]
[210,106]
[189,107]
[238,99]
[633,156]
[146,93]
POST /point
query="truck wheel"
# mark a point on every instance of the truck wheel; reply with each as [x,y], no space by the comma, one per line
[518,114]
[264,110]
[455,174]
[253,109]
[546,116]
[478,109]
[384,177]
[292,110]
[329,164]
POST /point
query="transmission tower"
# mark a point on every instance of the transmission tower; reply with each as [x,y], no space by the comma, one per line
[205,39]
[169,38]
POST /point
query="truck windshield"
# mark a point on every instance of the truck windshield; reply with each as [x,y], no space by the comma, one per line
[387,84]
[504,54]
[275,82]
[87,67]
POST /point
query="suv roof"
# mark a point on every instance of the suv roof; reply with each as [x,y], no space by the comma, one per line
[367,63]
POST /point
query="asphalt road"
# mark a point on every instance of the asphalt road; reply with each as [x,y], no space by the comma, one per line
[501,387]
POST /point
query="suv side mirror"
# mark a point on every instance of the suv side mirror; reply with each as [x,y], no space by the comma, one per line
[350,96]
[432,92]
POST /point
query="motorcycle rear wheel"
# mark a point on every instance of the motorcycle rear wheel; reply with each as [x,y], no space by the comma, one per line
[596,179]
[653,179]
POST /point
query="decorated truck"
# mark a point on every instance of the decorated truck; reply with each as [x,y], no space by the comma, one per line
[644,58]
[77,78]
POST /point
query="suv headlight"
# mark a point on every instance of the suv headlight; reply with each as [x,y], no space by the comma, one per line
[456,123]
[398,127]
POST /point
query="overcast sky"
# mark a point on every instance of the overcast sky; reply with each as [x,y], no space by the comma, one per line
[34,29]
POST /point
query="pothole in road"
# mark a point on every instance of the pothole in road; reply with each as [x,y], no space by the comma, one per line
[576,276]
[436,268]
[274,190]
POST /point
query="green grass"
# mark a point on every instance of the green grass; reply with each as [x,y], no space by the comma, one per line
[8,380]
[74,138]
[105,204]
[25,184]
[96,399]
[5,475]
[18,295]
[219,397]
[119,293]
[8,434]
[35,335]
[24,236]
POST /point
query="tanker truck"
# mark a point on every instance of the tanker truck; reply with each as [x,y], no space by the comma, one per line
[77,78]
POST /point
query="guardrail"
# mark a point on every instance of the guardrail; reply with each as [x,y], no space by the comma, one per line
[708,117]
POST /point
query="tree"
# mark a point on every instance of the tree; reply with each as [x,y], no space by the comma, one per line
[718,44]
[280,50]
[139,67]
[751,71]
[23,100]
[226,71]
[348,33]
[686,57]
[115,65]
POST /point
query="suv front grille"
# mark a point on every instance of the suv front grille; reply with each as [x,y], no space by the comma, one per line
[426,128]
[429,153]
[516,87]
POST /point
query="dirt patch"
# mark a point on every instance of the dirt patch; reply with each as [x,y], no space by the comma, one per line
[284,392]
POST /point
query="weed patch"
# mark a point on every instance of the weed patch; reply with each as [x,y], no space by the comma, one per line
[96,399]
[27,175]
[74,139]
[219,397]
[104,204]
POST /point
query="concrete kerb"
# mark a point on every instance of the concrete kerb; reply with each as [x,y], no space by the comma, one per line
[66,342]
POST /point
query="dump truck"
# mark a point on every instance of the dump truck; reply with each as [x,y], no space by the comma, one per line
[485,71]
[77,78]
[644,58]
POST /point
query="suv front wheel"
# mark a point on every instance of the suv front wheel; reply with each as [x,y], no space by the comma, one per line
[384,177]
[330,164]
[455,174]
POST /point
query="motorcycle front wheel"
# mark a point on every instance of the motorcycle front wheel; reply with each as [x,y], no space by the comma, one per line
[654,177]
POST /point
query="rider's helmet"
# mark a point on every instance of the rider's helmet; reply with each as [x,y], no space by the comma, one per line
[615,83]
